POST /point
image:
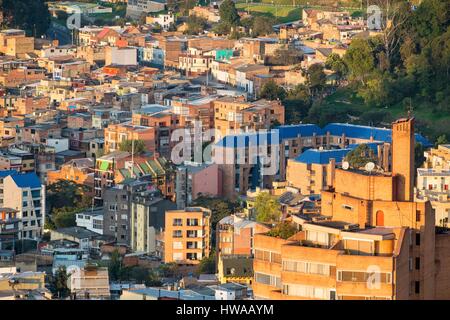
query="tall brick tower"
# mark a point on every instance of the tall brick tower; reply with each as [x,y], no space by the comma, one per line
[403,142]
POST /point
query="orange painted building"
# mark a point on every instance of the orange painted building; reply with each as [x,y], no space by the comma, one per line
[235,235]
[235,115]
[80,171]
[187,236]
[371,240]
[117,133]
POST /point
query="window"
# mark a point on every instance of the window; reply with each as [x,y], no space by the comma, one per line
[417,239]
[361,276]
[177,234]
[191,245]
[177,256]
[192,222]
[417,263]
[306,267]
[177,222]
[268,256]
[268,279]
[177,245]
[191,234]
[417,287]
[417,215]
[318,237]
[380,218]
[306,291]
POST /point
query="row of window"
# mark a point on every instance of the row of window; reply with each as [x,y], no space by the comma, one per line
[268,256]
[189,222]
[306,267]
[189,234]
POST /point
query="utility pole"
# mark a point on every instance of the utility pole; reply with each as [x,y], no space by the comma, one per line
[132,158]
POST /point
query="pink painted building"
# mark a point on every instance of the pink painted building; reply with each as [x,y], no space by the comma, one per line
[194,180]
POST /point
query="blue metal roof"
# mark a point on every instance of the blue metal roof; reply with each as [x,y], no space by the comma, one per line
[246,139]
[365,132]
[308,130]
[5,173]
[26,180]
[360,132]
[314,156]
[304,130]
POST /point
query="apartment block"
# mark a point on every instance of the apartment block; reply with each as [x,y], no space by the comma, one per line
[10,228]
[117,133]
[25,193]
[187,235]
[371,240]
[195,180]
[14,42]
[148,210]
[433,181]
[235,115]
[89,282]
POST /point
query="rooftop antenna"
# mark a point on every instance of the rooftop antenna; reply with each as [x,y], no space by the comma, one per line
[132,159]
[410,109]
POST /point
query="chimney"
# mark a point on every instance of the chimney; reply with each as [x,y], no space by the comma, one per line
[403,143]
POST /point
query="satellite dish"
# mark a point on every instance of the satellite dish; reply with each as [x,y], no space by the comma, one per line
[369,166]
[345,165]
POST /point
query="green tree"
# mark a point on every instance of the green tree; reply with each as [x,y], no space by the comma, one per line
[207,265]
[30,15]
[168,269]
[59,283]
[115,266]
[316,78]
[336,64]
[153,280]
[297,104]
[360,60]
[419,157]
[64,217]
[262,26]
[442,139]
[283,230]
[127,145]
[229,14]
[271,91]
[267,208]
[220,208]
[66,193]
[360,156]
[285,57]
[195,25]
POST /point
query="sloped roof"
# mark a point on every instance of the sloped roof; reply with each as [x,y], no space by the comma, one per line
[309,130]
[26,180]
[314,156]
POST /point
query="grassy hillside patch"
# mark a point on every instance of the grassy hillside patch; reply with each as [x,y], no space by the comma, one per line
[345,101]
[282,14]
